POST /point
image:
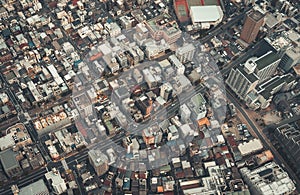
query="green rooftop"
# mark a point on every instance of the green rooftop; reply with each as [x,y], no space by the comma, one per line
[266,60]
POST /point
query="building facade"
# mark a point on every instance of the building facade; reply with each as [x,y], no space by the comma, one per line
[242,79]
[99,161]
[253,22]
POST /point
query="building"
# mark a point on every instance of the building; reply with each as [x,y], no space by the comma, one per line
[197,107]
[185,113]
[252,24]
[266,65]
[185,53]
[264,93]
[289,139]
[138,77]
[56,181]
[290,59]
[242,79]
[163,27]
[99,161]
[10,163]
[207,16]
[268,179]
[166,91]
[3,13]
[120,94]
[37,188]
[113,29]
[122,60]
[145,105]
[250,147]
[180,68]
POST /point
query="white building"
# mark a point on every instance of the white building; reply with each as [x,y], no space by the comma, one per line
[138,77]
[206,15]
[186,52]
[250,147]
[180,68]
[57,182]
[269,179]
[185,113]
[113,29]
[166,91]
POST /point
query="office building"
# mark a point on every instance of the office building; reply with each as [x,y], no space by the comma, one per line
[37,188]
[268,179]
[253,22]
[10,163]
[56,181]
[290,59]
[185,53]
[164,27]
[289,139]
[242,79]
[99,161]
[266,65]
[197,107]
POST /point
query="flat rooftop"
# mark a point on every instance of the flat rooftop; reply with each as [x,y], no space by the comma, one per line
[256,15]
[209,13]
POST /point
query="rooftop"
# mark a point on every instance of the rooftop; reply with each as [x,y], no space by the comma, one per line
[209,13]
[8,159]
[251,77]
[98,157]
[256,15]
[35,188]
[266,59]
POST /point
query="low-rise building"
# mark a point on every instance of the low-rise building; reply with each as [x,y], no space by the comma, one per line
[10,164]
[268,179]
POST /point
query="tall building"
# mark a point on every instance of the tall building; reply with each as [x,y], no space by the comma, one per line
[185,53]
[242,79]
[290,59]
[266,65]
[289,139]
[99,161]
[253,22]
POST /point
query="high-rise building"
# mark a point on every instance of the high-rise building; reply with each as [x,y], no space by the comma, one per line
[290,58]
[99,161]
[289,139]
[253,22]
[266,65]
[242,79]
